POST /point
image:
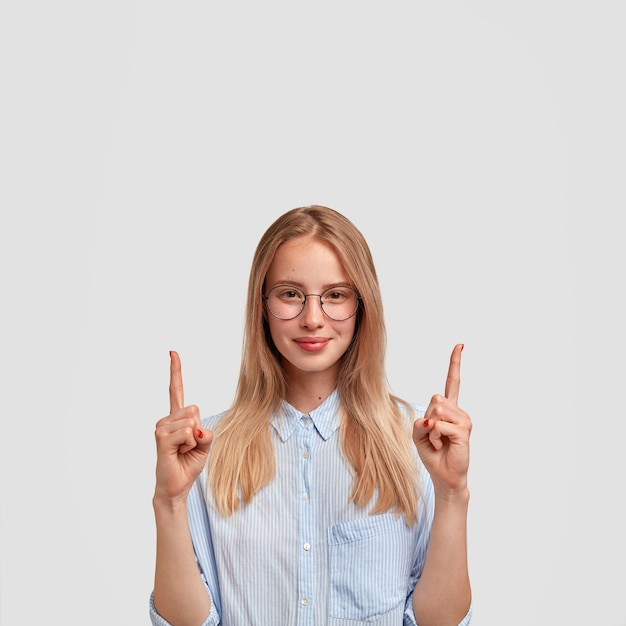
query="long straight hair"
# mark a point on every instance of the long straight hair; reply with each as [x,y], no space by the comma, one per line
[375,431]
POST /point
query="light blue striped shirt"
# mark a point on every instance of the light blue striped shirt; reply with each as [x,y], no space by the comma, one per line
[302,553]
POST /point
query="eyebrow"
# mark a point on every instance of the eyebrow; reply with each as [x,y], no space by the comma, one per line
[295,283]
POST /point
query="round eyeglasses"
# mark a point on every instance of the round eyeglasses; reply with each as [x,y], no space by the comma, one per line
[286,302]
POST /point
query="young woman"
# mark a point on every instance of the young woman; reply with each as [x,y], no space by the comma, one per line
[319,497]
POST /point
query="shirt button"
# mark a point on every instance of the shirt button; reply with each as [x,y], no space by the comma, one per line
[304,601]
[305,496]
[306,454]
[307,546]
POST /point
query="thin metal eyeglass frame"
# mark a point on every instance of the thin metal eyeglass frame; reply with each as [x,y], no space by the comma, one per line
[303,304]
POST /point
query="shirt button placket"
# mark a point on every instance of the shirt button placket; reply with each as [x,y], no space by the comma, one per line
[306,434]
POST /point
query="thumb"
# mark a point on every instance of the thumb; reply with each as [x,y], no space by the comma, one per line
[204,438]
[421,430]
[425,435]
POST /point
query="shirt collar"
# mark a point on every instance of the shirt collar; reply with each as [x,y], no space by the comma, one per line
[325,418]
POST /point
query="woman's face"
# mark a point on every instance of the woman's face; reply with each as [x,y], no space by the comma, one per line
[311,344]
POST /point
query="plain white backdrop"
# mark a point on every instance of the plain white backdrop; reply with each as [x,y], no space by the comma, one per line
[145,148]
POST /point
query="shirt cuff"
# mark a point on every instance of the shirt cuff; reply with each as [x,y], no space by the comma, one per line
[212,620]
[409,615]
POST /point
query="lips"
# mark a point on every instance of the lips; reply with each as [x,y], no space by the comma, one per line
[312,344]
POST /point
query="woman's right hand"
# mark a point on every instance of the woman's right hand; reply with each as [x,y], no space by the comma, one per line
[182,444]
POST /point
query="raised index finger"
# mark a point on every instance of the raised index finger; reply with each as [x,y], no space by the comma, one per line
[453,381]
[176,383]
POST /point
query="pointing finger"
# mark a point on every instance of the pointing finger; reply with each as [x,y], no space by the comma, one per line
[453,381]
[176,383]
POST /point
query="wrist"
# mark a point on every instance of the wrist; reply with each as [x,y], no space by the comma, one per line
[453,496]
[167,505]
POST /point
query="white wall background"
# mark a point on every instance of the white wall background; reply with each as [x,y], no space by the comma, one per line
[146,146]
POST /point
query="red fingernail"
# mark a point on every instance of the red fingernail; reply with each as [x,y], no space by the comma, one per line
[426,423]
[200,434]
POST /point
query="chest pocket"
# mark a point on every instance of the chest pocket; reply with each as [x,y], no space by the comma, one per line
[370,565]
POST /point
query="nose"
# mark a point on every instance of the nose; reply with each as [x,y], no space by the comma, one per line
[312,313]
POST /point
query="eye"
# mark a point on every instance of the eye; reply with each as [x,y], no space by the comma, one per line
[289,294]
[336,295]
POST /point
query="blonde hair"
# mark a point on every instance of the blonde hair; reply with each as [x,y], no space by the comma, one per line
[375,430]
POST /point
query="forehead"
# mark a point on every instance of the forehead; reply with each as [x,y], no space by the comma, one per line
[305,261]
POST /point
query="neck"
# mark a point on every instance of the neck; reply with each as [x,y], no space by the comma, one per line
[307,390]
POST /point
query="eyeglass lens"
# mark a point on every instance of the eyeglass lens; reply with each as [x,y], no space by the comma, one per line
[286,302]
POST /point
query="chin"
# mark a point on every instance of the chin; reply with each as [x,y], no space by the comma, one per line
[312,365]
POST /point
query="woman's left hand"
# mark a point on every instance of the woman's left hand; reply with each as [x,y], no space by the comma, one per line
[442,435]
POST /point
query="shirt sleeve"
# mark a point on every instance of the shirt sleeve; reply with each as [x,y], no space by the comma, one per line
[156,620]
[409,616]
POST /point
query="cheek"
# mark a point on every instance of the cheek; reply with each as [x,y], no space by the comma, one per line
[276,329]
[349,331]
[272,328]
